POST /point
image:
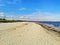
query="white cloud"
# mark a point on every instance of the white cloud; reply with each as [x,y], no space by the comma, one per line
[22,9]
[11,17]
[1,14]
[42,16]
[38,16]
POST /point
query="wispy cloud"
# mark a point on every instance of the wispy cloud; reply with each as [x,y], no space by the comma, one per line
[21,9]
[14,1]
[1,14]
[42,16]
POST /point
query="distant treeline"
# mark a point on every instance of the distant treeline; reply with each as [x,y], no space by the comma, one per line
[6,21]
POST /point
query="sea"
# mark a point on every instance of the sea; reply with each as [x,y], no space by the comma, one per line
[54,23]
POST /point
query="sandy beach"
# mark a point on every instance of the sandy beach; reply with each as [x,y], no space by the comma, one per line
[27,33]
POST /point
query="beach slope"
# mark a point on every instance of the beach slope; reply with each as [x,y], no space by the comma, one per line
[27,33]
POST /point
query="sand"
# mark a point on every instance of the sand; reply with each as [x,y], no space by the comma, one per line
[27,33]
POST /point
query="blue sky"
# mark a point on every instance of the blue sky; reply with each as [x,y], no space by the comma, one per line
[30,7]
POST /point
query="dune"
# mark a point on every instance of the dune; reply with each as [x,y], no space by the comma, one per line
[28,33]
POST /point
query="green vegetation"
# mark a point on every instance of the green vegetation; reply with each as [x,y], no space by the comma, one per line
[6,21]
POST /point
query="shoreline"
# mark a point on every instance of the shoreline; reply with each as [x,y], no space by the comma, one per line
[49,28]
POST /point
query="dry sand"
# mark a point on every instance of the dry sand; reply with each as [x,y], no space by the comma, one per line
[27,33]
